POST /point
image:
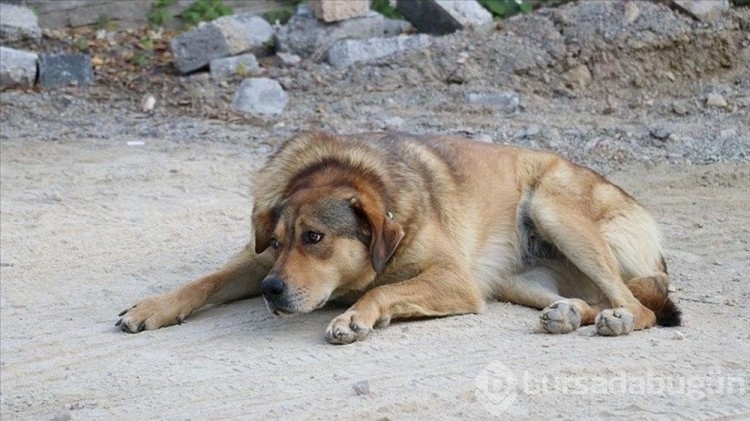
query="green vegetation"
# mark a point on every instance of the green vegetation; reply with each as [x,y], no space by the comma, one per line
[384,8]
[501,9]
[198,11]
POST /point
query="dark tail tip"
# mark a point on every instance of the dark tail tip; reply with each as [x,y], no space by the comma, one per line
[668,314]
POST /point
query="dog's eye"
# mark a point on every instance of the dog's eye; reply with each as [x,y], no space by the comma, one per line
[274,243]
[312,237]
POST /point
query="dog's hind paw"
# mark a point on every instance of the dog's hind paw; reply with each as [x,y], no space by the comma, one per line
[347,328]
[559,317]
[614,322]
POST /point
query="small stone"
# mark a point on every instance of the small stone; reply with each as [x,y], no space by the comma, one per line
[64,69]
[611,107]
[660,133]
[716,100]
[481,137]
[527,132]
[17,68]
[347,52]
[147,103]
[671,287]
[336,10]
[578,77]
[241,65]
[361,387]
[631,12]
[288,59]
[17,23]
[260,96]
[394,123]
[679,336]
[395,27]
[244,33]
[679,109]
[442,17]
[506,102]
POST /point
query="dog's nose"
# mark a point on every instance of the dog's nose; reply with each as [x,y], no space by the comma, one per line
[272,287]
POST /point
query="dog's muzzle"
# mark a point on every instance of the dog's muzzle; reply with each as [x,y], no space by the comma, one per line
[273,290]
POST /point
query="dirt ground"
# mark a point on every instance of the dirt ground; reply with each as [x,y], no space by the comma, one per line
[91,222]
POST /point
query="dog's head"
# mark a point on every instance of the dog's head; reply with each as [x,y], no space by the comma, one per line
[326,241]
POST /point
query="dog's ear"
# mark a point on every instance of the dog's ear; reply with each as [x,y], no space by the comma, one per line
[385,233]
[263,224]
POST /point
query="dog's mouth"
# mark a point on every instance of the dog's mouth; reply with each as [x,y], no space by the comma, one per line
[281,311]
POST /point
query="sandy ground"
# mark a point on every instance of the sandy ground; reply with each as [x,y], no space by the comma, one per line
[89,228]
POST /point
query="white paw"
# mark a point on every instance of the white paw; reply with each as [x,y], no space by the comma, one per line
[559,317]
[347,328]
[614,322]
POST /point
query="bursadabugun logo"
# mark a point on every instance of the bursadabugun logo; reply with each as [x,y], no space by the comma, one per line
[496,388]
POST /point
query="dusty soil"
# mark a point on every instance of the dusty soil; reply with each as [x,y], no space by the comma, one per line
[91,223]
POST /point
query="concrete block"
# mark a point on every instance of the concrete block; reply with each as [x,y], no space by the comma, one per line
[443,16]
[337,10]
[260,97]
[349,51]
[18,22]
[241,65]
[64,69]
[306,36]
[17,68]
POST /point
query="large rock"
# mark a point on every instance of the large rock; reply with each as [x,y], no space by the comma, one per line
[336,10]
[220,38]
[241,65]
[17,68]
[65,69]
[18,22]
[443,16]
[261,97]
[349,51]
[307,36]
[703,10]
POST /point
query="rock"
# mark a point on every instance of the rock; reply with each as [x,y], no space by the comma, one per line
[306,36]
[223,37]
[394,27]
[527,132]
[361,387]
[578,77]
[716,100]
[65,69]
[241,65]
[244,32]
[703,10]
[260,96]
[631,12]
[336,10]
[196,48]
[347,52]
[678,336]
[506,102]
[17,22]
[442,17]
[481,137]
[17,68]
[147,103]
[661,133]
[289,60]
[679,109]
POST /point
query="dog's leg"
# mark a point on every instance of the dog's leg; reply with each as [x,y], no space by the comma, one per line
[440,290]
[239,278]
[579,239]
[537,287]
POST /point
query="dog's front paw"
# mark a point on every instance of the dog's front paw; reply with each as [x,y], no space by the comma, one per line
[614,322]
[347,328]
[152,313]
[560,317]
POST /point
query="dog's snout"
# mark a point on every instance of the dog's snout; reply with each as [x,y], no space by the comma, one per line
[272,287]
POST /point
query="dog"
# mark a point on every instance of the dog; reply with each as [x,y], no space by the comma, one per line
[403,226]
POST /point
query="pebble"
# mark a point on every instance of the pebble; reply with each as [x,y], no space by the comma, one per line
[660,133]
[361,387]
[716,100]
[679,336]
[679,109]
[147,103]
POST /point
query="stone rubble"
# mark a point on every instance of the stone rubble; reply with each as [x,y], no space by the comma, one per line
[57,70]
[241,65]
[17,68]
[442,17]
[260,97]
[702,10]
[349,51]
[338,10]
[17,23]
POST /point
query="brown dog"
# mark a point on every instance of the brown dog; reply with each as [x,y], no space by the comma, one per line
[405,226]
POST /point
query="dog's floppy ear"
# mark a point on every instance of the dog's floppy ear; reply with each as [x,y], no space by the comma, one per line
[263,224]
[385,233]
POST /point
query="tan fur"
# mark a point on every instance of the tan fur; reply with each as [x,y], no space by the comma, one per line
[435,226]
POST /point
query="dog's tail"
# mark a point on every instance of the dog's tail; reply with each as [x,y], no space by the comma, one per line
[653,293]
